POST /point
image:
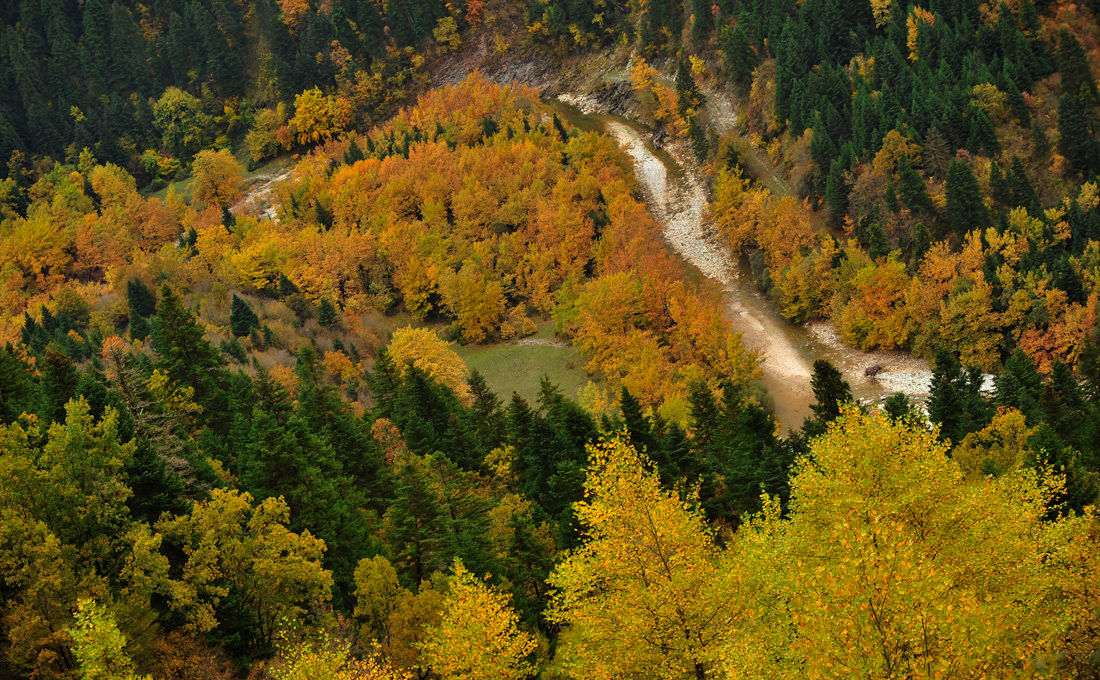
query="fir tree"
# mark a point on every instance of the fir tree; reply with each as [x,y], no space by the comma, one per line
[955,402]
[141,300]
[242,320]
[830,389]
[965,210]
[1019,386]
[326,314]
[181,350]
[739,57]
[1076,132]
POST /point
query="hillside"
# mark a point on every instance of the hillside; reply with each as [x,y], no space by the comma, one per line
[558,339]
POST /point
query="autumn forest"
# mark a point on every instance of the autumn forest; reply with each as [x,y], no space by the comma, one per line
[517,339]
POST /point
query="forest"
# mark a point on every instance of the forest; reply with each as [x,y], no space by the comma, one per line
[245,246]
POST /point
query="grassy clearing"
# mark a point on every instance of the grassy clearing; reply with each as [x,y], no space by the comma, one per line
[517,368]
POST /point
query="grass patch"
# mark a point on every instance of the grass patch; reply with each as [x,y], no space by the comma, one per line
[512,368]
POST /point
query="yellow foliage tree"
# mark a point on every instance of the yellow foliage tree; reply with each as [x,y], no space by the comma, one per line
[329,660]
[478,637]
[217,178]
[231,545]
[919,20]
[313,119]
[422,348]
[99,645]
[643,597]
[893,565]
[996,449]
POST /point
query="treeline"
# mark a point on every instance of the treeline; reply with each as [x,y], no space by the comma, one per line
[121,78]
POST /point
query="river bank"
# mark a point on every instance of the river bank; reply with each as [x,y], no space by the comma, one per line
[675,191]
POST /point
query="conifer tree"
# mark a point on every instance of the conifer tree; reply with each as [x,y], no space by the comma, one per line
[141,300]
[638,427]
[242,320]
[326,314]
[181,350]
[955,402]
[965,209]
[831,390]
[1077,78]
[1077,127]
[739,57]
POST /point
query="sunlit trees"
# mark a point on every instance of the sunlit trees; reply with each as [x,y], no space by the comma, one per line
[643,595]
[478,637]
[99,645]
[892,564]
[233,546]
[423,348]
[182,122]
[216,178]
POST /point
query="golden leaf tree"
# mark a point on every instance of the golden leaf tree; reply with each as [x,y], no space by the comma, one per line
[893,564]
[425,350]
[643,597]
[217,178]
[478,637]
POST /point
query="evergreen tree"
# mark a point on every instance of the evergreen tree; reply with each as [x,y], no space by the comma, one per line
[703,21]
[488,418]
[739,57]
[141,300]
[688,97]
[417,525]
[1077,129]
[17,387]
[183,353]
[242,320]
[1019,386]
[955,402]
[156,489]
[830,390]
[1073,64]
[326,314]
[965,210]
[59,382]
[638,427]
[139,327]
[1022,191]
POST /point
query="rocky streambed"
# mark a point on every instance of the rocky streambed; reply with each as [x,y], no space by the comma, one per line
[676,194]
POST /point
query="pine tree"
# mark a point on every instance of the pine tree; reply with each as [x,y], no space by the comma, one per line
[955,402]
[699,144]
[141,300]
[1077,128]
[139,327]
[911,187]
[1019,386]
[831,391]
[1022,191]
[965,210]
[638,427]
[739,57]
[688,97]
[1073,64]
[242,320]
[181,350]
[17,388]
[326,314]
[703,23]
